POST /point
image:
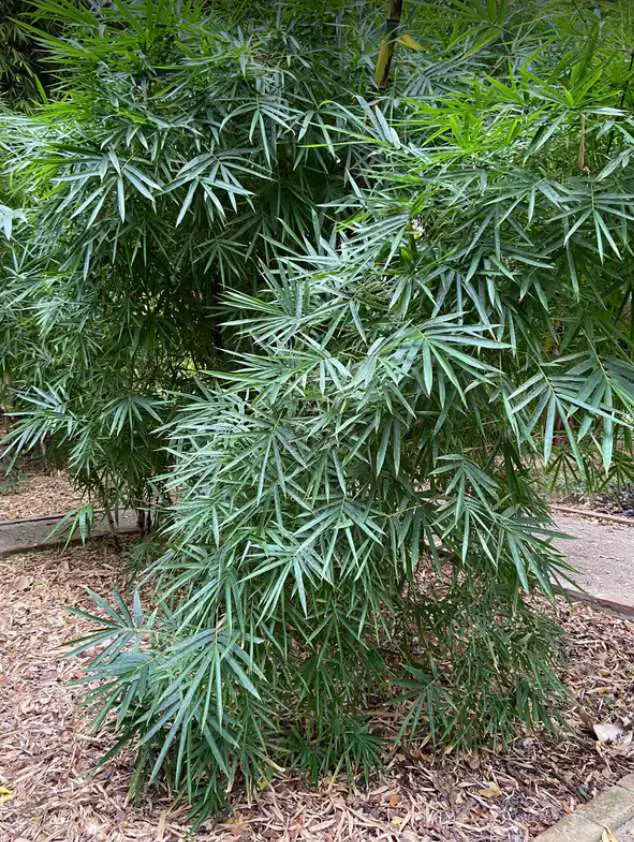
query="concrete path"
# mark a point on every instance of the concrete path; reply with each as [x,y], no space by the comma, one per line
[36,533]
[603,554]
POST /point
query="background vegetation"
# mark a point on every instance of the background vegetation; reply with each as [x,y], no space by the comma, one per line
[24,75]
[333,339]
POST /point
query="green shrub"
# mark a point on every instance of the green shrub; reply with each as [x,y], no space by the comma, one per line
[180,153]
[23,73]
[429,302]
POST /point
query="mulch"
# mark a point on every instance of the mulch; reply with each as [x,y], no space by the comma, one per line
[30,488]
[618,502]
[48,794]
[37,493]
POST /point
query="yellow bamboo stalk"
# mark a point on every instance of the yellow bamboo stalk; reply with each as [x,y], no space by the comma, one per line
[386,51]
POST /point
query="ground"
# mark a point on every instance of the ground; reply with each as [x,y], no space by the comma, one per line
[47,753]
[31,489]
[603,557]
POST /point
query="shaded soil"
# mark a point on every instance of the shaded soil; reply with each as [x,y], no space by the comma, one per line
[46,754]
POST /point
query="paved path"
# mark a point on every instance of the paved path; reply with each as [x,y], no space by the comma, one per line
[35,533]
[625,833]
[603,553]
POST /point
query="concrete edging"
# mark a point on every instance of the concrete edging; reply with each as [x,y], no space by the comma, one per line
[610,811]
[32,534]
[620,609]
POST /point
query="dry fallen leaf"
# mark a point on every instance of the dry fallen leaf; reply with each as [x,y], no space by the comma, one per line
[607,732]
[608,836]
[491,791]
[5,795]
[397,820]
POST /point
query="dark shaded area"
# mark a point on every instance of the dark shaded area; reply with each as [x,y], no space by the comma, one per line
[23,70]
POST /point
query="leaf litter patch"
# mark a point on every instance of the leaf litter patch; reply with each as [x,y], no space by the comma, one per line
[30,488]
[47,791]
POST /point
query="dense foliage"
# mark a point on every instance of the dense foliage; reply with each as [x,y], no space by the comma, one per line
[23,76]
[180,159]
[340,338]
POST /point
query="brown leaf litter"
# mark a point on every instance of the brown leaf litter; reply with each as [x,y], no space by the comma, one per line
[47,793]
[30,488]
[38,493]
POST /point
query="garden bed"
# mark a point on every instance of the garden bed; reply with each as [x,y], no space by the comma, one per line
[425,795]
[32,489]
[616,502]
[36,492]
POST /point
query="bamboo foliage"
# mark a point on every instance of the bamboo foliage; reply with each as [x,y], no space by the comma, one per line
[143,205]
[347,343]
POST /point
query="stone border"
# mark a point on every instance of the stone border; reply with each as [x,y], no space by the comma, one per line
[618,609]
[591,514]
[609,810]
[30,534]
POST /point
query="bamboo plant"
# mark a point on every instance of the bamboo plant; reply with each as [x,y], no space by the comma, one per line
[347,341]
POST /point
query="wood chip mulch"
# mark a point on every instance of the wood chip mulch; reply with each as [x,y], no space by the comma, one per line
[30,488]
[37,493]
[47,793]
[618,502]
